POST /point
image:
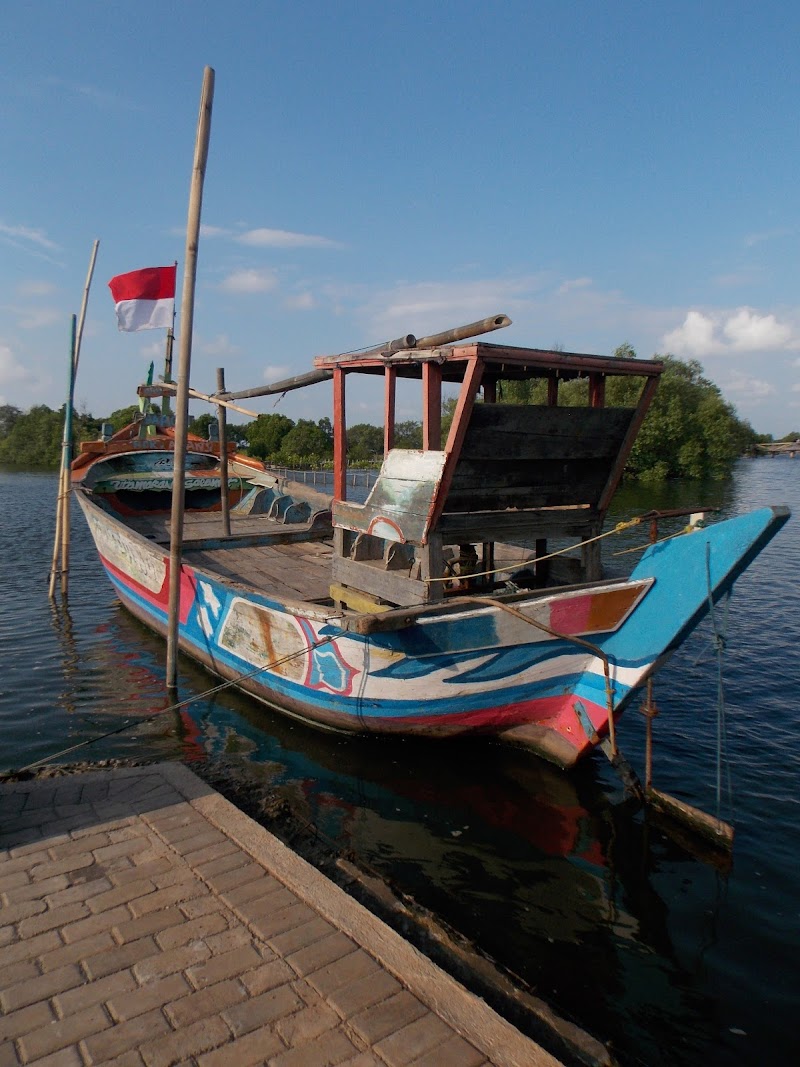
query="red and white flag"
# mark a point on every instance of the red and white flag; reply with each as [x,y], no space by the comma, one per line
[144,299]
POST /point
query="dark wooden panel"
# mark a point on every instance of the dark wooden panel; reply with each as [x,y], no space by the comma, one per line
[530,432]
[498,484]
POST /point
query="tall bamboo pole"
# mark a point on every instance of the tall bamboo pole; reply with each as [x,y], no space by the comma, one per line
[184,367]
[63,471]
[61,540]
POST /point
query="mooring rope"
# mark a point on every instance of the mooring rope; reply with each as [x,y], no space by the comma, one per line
[719,644]
[181,704]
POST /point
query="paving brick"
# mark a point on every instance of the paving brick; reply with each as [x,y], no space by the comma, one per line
[416,1039]
[238,876]
[34,851]
[45,985]
[13,880]
[115,985]
[177,959]
[321,953]
[14,1023]
[32,947]
[254,1048]
[384,1018]
[20,972]
[210,1001]
[116,849]
[67,1031]
[81,891]
[124,1037]
[78,845]
[121,894]
[164,898]
[267,904]
[37,890]
[63,866]
[269,925]
[53,918]
[223,941]
[153,865]
[348,968]
[188,929]
[228,965]
[330,1049]
[267,976]
[302,936]
[184,831]
[198,906]
[230,861]
[14,913]
[188,1041]
[455,1052]
[65,1057]
[308,1024]
[95,924]
[257,1011]
[119,959]
[257,890]
[78,950]
[205,847]
[354,997]
[128,1004]
[155,922]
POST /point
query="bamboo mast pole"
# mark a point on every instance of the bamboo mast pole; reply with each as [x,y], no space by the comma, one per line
[64,467]
[62,533]
[184,367]
[222,422]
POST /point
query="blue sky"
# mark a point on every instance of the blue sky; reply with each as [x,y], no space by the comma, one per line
[601,172]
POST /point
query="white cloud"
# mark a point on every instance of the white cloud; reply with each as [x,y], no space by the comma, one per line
[30,318]
[25,233]
[767,235]
[573,283]
[265,238]
[274,373]
[250,281]
[300,302]
[211,231]
[35,288]
[220,345]
[743,330]
[751,388]
[749,332]
[10,369]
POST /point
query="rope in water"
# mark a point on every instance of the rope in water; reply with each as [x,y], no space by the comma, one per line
[181,704]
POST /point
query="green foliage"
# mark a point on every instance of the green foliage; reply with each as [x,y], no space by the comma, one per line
[364,443]
[201,425]
[408,434]
[35,438]
[265,436]
[123,416]
[306,442]
[8,416]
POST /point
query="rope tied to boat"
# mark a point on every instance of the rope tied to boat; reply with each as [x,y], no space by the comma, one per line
[180,704]
[719,643]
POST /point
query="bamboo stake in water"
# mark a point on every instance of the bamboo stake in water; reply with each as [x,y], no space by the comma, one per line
[61,539]
[222,421]
[184,366]
[62,507]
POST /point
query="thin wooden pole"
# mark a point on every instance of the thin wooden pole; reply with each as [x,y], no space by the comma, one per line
[184,367]
[222,420]
[61,540]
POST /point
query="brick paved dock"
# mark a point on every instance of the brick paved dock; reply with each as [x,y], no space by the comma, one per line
[147,921]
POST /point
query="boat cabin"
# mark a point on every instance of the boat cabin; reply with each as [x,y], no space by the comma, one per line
[504,473]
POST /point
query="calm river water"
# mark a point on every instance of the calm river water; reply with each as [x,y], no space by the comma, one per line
[651,949]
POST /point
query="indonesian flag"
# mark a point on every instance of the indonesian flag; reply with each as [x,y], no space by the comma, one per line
[144,299]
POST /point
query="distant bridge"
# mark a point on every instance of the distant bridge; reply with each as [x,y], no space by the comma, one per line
[779,448]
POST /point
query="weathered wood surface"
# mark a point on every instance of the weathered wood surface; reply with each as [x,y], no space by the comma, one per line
[290,571]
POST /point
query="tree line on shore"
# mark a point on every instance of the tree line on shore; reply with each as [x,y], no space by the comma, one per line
[691,431]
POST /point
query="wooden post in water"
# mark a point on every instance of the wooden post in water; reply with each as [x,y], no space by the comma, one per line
[222,420]
[61,540]
[184,367]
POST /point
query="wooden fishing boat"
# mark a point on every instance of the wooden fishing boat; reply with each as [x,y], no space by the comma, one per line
[435,606]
